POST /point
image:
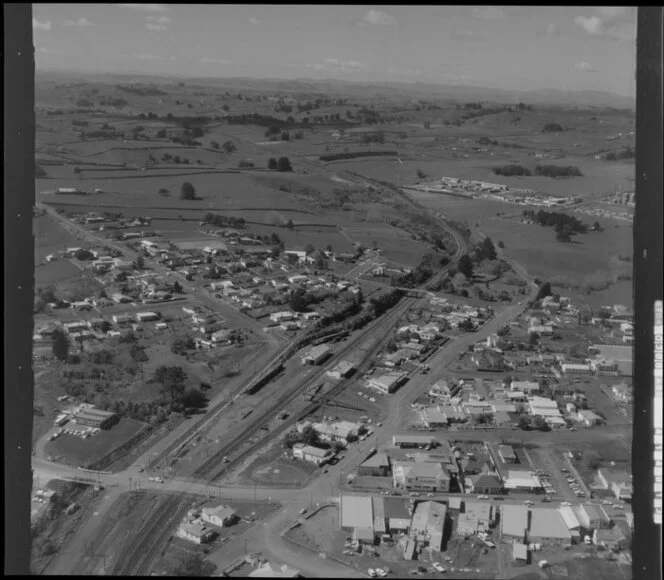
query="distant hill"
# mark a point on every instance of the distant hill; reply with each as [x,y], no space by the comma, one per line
[600,99]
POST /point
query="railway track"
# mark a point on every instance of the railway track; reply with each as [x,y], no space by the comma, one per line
[211,468]
[151,537]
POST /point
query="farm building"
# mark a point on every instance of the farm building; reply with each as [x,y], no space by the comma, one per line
[514,521]
[378,465]
[195,533]
[388,383]
[412,441]
[356,513]
[97,418]
[342,370]
[317,355]
[220,516]
[312,454]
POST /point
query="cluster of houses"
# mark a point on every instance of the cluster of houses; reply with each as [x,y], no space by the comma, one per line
[99,327]
[340,433]
[452,314]
[200,526]
[210,326]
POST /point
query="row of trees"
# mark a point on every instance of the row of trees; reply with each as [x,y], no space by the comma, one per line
[222,221]
[512,170]
[282,164]
[557,171]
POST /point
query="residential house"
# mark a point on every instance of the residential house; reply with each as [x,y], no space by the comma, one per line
[588,418]
[220,516]
[312,454]
[196,533]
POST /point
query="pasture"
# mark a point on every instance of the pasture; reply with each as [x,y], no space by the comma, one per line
[50,238]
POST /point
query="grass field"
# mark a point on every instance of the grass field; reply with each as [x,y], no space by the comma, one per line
[77,451]
[50,238]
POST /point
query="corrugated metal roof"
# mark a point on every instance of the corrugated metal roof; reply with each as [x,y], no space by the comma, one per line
[356,511]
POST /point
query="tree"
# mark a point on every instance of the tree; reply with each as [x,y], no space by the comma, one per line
[597,227]
[172,380]
[84,255]
[544,291]
[229,147]
[214,144]
[309,249]
[289,224]
[501,244]
[284,164]
[540,423]
[533,337]
[272,163]
[297,301]
[177,288]
[465,266]
[139,263]
[523,423]
[187,191]
[191,565]
[503,331]
[60,344]
[194,399]
[421,174]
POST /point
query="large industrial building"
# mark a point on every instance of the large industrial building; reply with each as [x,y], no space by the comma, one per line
[96,418]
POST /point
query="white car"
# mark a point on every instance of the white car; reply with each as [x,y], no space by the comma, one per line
[438,567]
[565,503]
[372,572]
[381,572]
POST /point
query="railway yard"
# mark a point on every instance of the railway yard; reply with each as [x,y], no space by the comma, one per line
[234,381]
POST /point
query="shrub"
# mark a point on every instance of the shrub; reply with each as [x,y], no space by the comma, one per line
[512,170]
[552,128]
[556,171]
[187,191]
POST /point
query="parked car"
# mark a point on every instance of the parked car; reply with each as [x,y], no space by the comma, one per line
[438,567]
[372,573]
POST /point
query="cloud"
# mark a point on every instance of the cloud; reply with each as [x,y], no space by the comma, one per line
[158,19]
[254,20]
[148,56]
[146,7]
[379,17]
[207,59]
[157,23]
[463,34]
[592,25]
[609,22]
[585,67]
[409,72]
[335,62]
[80,22]
[488,13]
[36,25]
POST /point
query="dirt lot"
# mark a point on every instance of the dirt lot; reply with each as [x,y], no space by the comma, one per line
[76,451]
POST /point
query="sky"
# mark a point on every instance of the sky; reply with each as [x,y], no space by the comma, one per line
[512,47]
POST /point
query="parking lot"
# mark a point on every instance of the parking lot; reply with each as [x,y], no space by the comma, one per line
[551,471]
